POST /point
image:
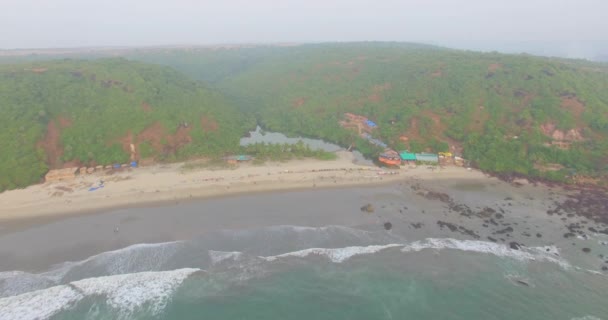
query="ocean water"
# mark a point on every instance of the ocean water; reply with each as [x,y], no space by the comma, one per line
[292,272]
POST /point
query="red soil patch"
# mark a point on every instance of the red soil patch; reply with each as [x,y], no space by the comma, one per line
[377,91]
[572,104]
[383,87]
[72,164]
[437,74]
[146,107]
[64,122]
[39,70]
[374,97]
[178,140]
[209,124]
[494,67]
[154,135]
[51,145]
[549,129]
[479,118]
[299,102]
[126,142]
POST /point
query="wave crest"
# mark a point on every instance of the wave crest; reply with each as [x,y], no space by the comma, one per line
[124,293]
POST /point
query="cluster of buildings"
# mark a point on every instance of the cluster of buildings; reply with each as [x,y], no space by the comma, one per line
[391,157]
[73,172]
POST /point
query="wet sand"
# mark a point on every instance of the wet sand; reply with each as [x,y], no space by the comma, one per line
[484,209]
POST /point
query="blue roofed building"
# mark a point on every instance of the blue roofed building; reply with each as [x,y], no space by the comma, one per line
[427,157]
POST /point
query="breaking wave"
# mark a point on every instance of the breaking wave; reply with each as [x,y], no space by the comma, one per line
[126,293]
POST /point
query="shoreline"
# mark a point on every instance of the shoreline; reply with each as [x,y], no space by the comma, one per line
[162,185]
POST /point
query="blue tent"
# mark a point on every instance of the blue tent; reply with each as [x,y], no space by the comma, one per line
[133,164]
[370,123]
[116,166]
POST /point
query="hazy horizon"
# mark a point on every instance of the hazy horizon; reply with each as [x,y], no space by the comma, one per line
[544,27]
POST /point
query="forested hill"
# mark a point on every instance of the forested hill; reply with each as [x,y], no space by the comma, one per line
[506,113]
[70,113]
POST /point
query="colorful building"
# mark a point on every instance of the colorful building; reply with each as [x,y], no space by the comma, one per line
[427,157]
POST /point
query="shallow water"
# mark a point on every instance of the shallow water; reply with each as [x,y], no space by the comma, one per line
[311,255]
[379,276]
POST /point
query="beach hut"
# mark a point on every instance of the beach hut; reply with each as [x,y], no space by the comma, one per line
[427,157]
[407,156]
[61,174]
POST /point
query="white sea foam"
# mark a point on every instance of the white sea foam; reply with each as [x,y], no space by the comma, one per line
[587,318]
[125,293]
[336,255]
[136,258]
[219,256]
[524,254]
[40,304]
[130,259]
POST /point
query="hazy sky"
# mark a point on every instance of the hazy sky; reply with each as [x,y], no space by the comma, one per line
[576,28]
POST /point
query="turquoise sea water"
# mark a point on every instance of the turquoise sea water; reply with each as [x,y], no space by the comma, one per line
[310,273]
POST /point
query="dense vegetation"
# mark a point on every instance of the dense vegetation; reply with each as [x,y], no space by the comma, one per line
[283,151]
[72,113]
[506,113]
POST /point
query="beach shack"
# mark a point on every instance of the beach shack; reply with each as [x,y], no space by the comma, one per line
[427,157]
[238,158]
[61,174]
[407,156]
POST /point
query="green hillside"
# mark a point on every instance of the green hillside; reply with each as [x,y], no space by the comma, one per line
[507,113]
[71,113]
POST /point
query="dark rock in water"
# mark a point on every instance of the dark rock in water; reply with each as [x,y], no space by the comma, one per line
[526,234]
[443,197]
[367,208]
[498,216]
[604,268]
[417,225]
[592,229]
[450,226]
[485,225]
[586,250]
[508,199]
[388,226]
[505,230]
[538,235]
[548,250]
[522,282]
[569,235]
[492,239]
[468,232]
[404,208]
[601,256]
[514,245]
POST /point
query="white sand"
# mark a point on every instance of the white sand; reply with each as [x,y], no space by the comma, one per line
[163,183]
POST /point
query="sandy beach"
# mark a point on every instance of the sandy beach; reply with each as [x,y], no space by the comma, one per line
[168,183]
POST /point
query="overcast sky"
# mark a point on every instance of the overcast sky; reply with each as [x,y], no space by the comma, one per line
[573,28]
